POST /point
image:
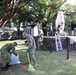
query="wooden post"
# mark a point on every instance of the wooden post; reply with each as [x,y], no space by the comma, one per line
[68,53]
[68,48]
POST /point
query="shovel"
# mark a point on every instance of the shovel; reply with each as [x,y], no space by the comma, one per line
[30,66]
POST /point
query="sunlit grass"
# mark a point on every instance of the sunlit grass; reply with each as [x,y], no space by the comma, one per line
[49,63]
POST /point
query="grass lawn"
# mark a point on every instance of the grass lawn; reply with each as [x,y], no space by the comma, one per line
[49,63]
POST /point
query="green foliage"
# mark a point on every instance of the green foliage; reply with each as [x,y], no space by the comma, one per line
[14,33]
[70,13]
[33,11]
[6,35]
[2,5]
[36,11]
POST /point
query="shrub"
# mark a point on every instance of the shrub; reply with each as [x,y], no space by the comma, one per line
[6,35]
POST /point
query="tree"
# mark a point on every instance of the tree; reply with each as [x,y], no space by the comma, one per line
[37,11]
[70,13]
[49,8]
[9,9]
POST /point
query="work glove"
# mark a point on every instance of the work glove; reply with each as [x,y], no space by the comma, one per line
[10,52]
[15,54]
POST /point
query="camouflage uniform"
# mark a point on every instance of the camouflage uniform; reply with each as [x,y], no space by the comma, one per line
[4,52]
[40,38]
[31,48]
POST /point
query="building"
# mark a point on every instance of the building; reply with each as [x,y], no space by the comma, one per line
[31,30]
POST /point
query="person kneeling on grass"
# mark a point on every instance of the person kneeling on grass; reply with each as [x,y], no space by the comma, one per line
[31,47]
[7,48]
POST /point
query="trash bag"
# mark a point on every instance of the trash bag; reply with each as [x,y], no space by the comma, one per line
[14,59]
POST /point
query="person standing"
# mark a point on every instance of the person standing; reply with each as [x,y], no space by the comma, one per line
[40,37]
[31,47]
[7,48]
[50,30]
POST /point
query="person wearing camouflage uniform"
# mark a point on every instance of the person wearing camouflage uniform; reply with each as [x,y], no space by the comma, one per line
[40,38]
[31,47]
[7,48]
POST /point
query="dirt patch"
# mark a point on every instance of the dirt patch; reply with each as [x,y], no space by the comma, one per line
[15,68]
[19,67]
